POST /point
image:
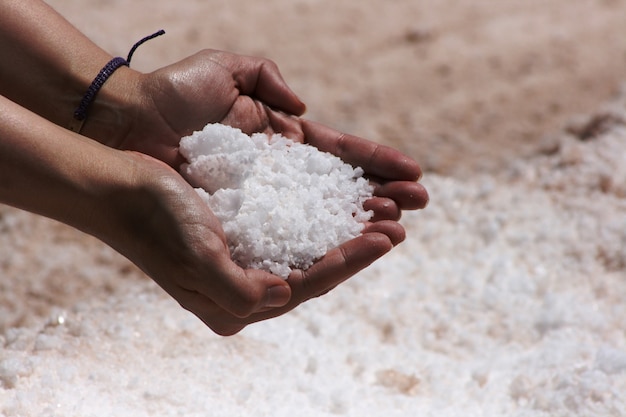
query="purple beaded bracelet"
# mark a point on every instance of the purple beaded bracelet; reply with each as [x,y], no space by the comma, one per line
[80,114]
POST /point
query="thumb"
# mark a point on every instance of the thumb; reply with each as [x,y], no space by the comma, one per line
[243,292]
[263,81]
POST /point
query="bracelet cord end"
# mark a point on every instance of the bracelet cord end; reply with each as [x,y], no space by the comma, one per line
[80,114]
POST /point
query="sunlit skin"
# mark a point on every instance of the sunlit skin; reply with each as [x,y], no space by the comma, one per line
[117,180]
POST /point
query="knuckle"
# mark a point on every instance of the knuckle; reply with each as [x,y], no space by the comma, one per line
[269,63]
[310,287]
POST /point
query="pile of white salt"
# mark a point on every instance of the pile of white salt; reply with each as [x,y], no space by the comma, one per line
[282,204]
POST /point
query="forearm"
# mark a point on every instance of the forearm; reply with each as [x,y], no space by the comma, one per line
[50,171]
[47,65]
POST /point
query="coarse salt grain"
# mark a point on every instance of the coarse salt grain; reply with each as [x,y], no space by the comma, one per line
[282,204]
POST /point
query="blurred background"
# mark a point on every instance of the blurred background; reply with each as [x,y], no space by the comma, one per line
[460,85]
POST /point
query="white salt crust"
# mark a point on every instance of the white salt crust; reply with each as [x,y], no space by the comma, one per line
[506,299]
[282,204]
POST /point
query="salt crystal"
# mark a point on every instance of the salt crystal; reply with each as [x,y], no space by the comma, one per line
[282,204]
[611,360]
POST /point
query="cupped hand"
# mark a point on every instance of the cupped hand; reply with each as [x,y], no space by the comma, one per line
[210,87]
[166,229]
[190,257]
[249,93]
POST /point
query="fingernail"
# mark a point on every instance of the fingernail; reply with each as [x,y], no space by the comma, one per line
[278,296]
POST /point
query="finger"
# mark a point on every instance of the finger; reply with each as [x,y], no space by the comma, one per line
[252,116]
[239,292]
[252,291]
[335,267]
[383,208]
[338,265]
[408,195]
[261,79]
[248,115]
[374,158]
[284,124]
[393,230]
[222,321]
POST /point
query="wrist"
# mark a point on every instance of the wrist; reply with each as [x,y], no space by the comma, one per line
[115,109]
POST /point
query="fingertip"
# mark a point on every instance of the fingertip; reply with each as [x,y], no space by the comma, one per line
[299,107]
[374,242]
[278,296]
[393,230]
[272,88]
[376,159]
[409,195]
[399,165]
[383,208]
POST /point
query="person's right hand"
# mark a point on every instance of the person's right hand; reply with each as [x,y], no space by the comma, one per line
[166,229]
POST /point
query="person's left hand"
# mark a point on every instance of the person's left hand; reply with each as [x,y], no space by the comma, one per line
[249,93]
[210,87]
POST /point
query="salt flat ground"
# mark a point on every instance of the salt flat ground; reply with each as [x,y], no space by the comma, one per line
[508,297]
